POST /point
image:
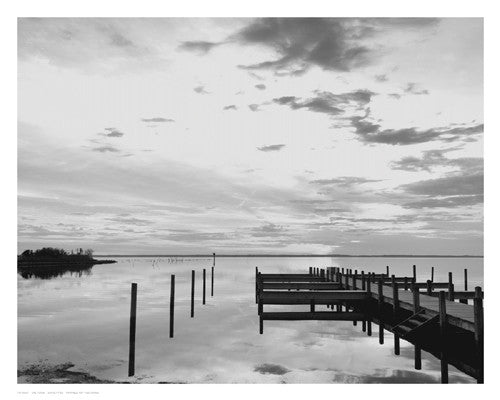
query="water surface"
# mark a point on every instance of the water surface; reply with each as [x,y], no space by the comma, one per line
[84,319]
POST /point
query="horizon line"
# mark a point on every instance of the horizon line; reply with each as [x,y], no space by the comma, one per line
[297,255]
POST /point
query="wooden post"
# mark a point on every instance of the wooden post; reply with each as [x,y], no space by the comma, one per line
[380,310]
[354,280]
[212,284]
[261,324]
[451,289]
[395,296]
[450,286]
[406,283]
[395,308]
[432,274]
[257,283]
[310,270]
[342,271]
[465,279]
[416,299]
[204,283]
[479,332]
[172,299]
[414,273]
[387,271]
[131,343]
[429,287]
[192,293]
[442,333]
[312,305]
[214,258]
[363,283]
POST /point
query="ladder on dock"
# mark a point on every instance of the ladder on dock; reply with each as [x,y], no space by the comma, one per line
[415,324]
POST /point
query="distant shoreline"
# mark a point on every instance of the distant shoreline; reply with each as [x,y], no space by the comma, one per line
[289,255]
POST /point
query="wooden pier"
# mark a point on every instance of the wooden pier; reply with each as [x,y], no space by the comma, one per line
[429,314]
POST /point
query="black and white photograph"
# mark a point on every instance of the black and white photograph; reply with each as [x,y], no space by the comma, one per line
[261,199]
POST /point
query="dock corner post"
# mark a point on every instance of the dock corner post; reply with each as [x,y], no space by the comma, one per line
[414,273]
[442,334]
[465,279]
[192,292]
[261,324]
[212,283]
[432,274]
[133,314]
[387,271]
[172,300]
[429,287]
[406,283]
[204,284]
[479,332]
[363,283]
[310,270]
[395,296]
[257,283]
[380,311]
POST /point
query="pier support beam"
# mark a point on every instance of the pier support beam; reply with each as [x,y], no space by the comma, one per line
[172,300]
[479,333]
[442,333]
[192,292]
[131,343]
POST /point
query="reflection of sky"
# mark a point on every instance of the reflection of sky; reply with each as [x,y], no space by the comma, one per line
[85,320]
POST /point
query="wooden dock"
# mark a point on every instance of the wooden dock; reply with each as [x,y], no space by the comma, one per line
[412,310]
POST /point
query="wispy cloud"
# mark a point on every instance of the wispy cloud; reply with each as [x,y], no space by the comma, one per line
[112,132]
[105,149]
[230,107]
[254,107]
[344,181]
[412,88]
[260,86]
[157,119]
[198,46]
[200,90]
[272,147]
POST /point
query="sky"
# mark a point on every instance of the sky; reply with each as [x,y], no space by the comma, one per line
[262,136]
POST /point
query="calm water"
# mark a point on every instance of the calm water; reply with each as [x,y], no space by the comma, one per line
[85,320]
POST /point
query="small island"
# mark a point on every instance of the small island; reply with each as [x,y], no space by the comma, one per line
[55,258]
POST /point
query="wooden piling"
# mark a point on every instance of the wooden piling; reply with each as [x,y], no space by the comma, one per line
[380,311]
[416,299]
[442,333]
[465,279]
[192,292]
[387,271]
[204,283]
[131,344]
[310,270]
[451,292]
[406,283]
[172,300]
[479,332]
[312,305]
[414,273]
[257,283]
[363,283]
[429,287]
[212,284]
[395,308]
[432,274]
[214,258]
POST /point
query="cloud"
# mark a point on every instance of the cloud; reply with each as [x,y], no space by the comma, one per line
[272,147]
[200,90]
[381,78]
[396,96]
[369,132]
[112,132]
[344,181]
[127,220]
[272,369]
[260,86]
[327,102]
[334,44]
[454,185]
[268,230]
[411,88]
[447,202]
[105,149]
[157,119]
[199,46]
[435,158]
[254,107]
[230,107]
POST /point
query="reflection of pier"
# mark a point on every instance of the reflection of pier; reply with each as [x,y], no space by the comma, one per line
[432,320]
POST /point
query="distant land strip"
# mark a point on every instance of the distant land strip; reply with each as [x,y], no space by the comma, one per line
[292,255]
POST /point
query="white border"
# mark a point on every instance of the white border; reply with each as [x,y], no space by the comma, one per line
[59,8]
